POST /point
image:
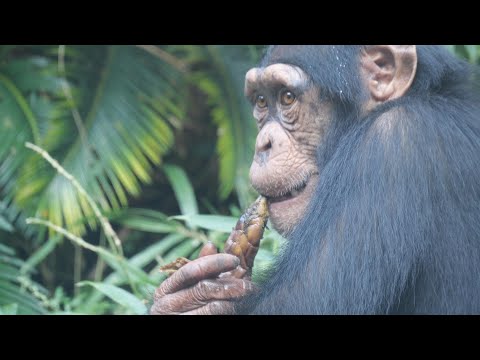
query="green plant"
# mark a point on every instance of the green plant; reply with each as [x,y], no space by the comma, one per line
[14,295]
[223,83]
[183,240]
[112,116]
[108,114]
[103,126]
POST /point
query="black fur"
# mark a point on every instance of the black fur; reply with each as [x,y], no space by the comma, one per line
[395,223]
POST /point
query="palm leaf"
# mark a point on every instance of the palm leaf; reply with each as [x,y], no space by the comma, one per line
[23,117]
[12,295]
[222,79]
[16,220]
[115,89]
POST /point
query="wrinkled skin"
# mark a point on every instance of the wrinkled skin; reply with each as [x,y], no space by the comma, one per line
[289,135]
[198,289]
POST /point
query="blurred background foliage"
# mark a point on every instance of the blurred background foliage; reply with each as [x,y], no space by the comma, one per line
[160,137]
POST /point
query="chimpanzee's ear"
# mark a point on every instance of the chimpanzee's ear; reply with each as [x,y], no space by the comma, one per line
[389,70]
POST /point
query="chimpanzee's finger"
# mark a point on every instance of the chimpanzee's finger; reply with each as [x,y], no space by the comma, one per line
[206,267]
[201,294]
[214,308]
[208,249]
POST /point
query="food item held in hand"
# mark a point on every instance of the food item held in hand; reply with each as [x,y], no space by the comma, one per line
[243,241]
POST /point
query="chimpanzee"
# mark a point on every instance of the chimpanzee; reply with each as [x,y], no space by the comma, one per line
[369,157]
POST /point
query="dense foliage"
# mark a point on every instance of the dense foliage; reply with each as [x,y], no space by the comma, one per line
[158,141]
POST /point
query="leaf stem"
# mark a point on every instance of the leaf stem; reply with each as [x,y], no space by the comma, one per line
[80,242]
[107,227]
[110,234]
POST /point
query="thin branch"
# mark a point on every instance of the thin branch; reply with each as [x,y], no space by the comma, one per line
[35,291]
[107,228]
[77,240]
[80,242]
[165,56]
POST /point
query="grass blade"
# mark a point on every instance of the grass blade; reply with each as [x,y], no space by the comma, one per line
[120,296]
[183,190]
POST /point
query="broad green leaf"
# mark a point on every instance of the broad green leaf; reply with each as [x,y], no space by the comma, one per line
[144,220]
[142,213]
[145,224]
[183,189]
[121,266]
[120,296]
[210,222]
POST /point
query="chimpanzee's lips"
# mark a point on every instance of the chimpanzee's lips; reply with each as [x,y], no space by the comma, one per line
[289,195]
[296,191]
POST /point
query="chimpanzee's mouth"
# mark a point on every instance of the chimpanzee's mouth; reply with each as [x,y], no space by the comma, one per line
[291,194]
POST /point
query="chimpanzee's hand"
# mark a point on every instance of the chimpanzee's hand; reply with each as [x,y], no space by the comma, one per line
[214,283]
[197,288]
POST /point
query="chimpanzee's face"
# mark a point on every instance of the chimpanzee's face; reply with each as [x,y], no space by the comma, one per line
[292,122]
